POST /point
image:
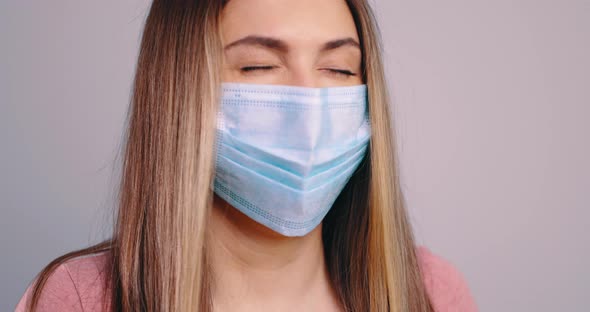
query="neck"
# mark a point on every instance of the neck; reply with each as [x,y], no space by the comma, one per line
[258,269]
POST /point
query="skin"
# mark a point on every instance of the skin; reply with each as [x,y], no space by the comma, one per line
[290,42]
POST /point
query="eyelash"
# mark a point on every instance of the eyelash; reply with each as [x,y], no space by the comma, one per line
[332,71]
[344,72]
[253,68]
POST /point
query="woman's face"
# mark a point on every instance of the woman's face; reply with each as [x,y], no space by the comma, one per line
[311,43]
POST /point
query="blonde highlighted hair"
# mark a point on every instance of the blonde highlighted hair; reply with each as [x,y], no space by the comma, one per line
[158,250]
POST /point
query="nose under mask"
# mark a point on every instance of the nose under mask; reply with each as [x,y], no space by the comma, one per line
[284,153]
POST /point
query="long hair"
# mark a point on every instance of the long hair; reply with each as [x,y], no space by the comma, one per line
[158,250]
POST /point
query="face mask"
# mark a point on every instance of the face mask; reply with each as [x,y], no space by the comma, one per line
[284,153]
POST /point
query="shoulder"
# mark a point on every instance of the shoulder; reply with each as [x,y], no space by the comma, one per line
[78,284]
[446,286]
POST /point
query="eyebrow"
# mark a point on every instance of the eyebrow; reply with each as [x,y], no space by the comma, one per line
[282,46]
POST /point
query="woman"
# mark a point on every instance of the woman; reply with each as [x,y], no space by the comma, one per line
[252,177]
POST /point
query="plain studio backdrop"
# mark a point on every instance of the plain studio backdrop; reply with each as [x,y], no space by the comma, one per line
[491,103]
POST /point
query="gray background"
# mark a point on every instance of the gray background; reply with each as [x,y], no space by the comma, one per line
[492,104]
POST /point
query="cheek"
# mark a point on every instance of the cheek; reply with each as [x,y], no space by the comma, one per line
[332,82]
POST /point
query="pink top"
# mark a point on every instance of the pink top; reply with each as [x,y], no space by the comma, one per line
[77,285]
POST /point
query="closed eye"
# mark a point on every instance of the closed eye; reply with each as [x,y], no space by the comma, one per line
[331,71]
[246,69]
[339,72]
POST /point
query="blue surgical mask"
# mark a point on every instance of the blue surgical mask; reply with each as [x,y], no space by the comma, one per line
[284,153]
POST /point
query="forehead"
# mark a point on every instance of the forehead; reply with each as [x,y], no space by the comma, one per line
[295,21]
